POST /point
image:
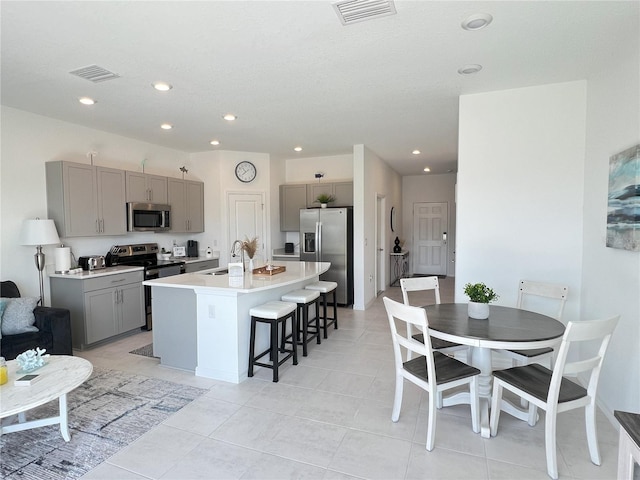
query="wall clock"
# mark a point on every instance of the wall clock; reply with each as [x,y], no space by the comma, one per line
[246,171]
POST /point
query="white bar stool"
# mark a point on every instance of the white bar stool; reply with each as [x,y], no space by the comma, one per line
[273,313]
[304,299]
[325,288]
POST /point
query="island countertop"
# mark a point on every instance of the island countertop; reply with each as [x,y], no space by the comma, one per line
[211,280]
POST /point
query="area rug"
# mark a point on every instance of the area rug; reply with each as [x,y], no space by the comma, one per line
[106,413]
[146,351]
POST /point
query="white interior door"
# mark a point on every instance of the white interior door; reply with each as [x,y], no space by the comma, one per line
[430,225]
[246,214]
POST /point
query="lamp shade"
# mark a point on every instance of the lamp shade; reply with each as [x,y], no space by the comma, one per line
[39,232]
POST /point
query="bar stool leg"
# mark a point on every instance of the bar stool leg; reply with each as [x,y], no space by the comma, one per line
[294,343]
[335,310]
[252,341]
[317,302]
[274,349]
[305,329]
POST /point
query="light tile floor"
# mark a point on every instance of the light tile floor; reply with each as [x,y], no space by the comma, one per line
[329,418]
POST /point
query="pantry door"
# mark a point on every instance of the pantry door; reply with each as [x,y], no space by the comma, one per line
[430,225]
[246,214]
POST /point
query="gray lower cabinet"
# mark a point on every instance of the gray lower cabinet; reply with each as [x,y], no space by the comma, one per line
[101,307]
[201,265]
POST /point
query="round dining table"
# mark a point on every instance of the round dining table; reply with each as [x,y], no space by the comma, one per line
[506,328]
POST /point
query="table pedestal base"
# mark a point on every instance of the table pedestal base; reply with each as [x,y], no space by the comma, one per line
[481,359]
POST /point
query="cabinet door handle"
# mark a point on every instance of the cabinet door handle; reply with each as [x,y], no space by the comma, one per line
[118,281]
[97,226]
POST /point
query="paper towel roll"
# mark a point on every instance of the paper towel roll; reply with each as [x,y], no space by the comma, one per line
[63,259]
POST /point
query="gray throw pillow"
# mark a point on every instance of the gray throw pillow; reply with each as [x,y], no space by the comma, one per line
[3,305]
[18,316]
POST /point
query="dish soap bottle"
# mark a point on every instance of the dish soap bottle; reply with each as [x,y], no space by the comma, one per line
[209,253]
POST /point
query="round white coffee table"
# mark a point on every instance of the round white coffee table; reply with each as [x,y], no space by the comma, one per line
[58,377]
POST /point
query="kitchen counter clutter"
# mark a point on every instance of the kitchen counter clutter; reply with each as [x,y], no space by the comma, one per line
[103,272]
[202,322]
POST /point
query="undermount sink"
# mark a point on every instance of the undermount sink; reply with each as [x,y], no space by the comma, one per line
[218,272]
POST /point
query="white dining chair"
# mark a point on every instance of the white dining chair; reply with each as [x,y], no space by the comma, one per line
[425,284]
[529,296]
[432,371]
[552,391]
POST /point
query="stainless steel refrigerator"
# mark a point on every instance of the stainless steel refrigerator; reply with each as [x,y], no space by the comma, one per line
[326,235]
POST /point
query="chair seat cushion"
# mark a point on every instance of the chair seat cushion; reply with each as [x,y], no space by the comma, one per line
[273,310]
[436,343]
[300,296]
[447,369]
[533,353]
[535,380]
[322,286]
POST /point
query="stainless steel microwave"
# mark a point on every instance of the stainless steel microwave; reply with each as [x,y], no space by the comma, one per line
[148,217]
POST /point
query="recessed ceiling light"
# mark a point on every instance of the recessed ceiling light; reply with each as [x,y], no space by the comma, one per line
[426,169]
[469,69]
[416,152]
[476,21]
[298,149]
[215,142]
[162,86]
[166,126]
[87,101]
[229,117]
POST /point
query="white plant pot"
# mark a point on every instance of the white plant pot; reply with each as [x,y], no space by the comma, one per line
[479,311]
[323,205]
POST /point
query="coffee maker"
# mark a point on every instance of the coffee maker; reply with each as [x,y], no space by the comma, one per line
[192,248]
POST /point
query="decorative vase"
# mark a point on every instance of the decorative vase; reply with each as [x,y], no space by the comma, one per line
[397,248]
[251,265]
[323,205]
[479,311]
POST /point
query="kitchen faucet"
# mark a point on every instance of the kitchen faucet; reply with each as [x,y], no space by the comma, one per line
[234,249]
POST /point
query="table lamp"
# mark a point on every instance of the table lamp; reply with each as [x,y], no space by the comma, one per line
[37,232]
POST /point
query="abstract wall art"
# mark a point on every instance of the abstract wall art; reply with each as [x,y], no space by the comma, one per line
[623,211]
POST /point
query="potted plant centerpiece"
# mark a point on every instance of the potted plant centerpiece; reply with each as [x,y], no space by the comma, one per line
[479,297]
[323,199]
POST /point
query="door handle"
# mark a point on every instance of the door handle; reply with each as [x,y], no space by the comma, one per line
[444,237]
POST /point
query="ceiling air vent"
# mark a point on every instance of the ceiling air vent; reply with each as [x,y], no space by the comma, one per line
[353,11]
[94,73]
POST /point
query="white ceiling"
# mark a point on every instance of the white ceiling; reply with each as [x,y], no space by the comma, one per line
[293,73]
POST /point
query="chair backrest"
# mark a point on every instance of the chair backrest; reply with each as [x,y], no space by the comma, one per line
[410,316]
[530,289]
[416,284]
[582,331]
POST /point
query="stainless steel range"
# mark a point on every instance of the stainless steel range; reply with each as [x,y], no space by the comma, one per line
[145,255]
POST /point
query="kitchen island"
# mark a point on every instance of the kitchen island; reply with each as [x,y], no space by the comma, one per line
[201,320]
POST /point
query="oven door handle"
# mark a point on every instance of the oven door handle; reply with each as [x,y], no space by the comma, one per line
[150,273]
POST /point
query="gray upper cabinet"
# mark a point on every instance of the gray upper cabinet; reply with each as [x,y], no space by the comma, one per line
[292,199]
[85,200]
[186,198]
[143,187]
[342,191]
